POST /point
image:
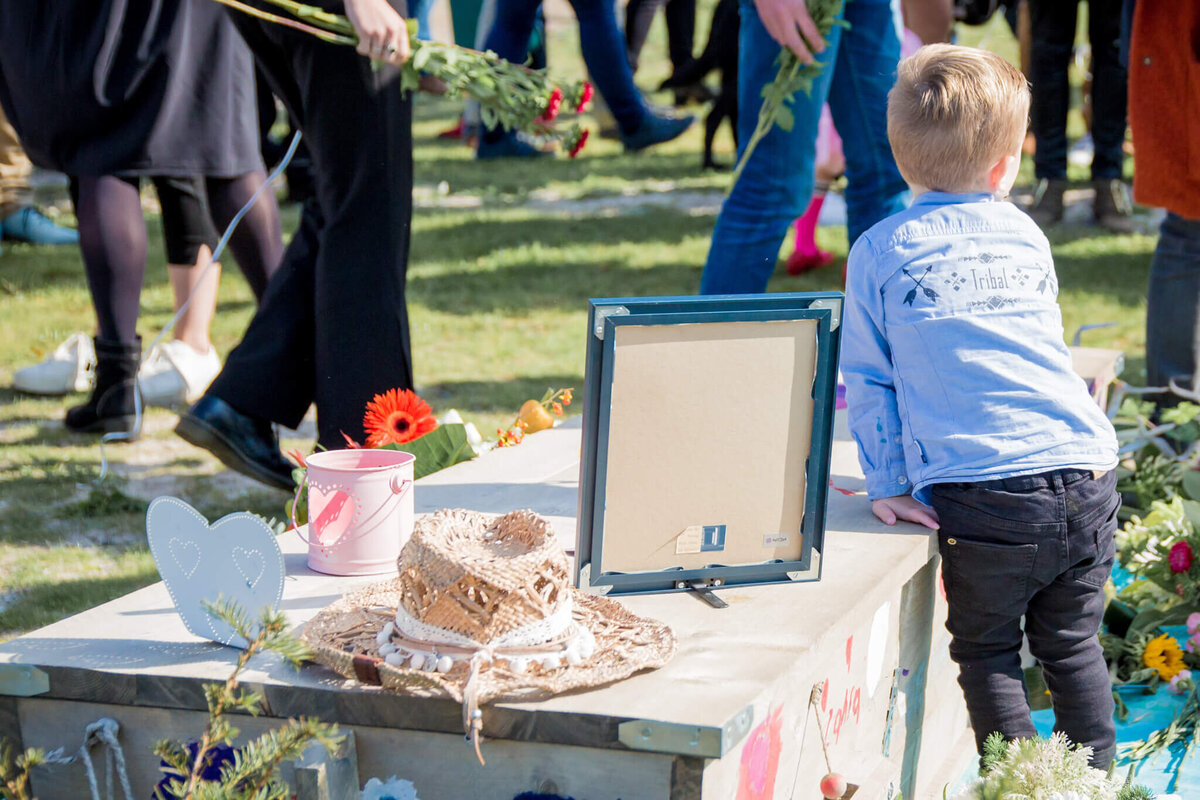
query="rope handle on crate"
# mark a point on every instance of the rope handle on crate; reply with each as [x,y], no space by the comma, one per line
[103,731]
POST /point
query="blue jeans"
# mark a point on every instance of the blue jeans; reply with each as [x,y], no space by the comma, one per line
[602,43]
[776,186]
[1172,335]
[1040,546]
[420,10]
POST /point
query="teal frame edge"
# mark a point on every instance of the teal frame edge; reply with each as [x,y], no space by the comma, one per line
[608,313]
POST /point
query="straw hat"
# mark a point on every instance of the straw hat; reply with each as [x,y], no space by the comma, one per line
[484,610]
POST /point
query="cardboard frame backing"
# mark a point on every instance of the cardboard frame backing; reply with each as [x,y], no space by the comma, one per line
[706,440]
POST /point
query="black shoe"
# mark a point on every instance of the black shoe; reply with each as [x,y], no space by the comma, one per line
[1113,208]
[111,408]
[243,443]
[1047,208]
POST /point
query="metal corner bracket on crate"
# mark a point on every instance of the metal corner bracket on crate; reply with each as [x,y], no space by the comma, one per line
[23,680]
[685,740]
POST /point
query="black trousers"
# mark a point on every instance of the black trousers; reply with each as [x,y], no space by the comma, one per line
[1053,44]
[333,325]
[681,28]
[1038,546]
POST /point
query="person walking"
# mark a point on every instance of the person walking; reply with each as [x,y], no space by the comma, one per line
[776,185]
[333,328]
[160,91]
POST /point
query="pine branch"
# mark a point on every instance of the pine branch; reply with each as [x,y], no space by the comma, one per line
[994,749]
[250,775]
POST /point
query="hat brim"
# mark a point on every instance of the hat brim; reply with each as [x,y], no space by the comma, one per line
[342,637]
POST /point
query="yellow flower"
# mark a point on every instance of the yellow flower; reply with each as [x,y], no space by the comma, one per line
[1164,655]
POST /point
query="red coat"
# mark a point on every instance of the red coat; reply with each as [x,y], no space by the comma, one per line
[1164,104]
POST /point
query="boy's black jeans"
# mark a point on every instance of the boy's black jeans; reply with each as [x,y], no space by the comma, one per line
[1040,546]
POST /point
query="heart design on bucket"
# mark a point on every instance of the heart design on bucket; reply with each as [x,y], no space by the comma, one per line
[331,511]
[236,559]
[186,555]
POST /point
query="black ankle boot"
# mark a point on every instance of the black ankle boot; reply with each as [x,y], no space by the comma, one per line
[111,406]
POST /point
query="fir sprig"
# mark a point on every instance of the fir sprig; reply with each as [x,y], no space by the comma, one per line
[252,773]
[792,76]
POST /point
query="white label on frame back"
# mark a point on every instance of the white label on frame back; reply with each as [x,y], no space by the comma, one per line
[773,540]
[690,541]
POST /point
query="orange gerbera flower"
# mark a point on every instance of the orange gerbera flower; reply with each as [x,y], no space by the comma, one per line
[396,417]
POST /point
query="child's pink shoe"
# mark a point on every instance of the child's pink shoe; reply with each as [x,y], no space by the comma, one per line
[799,263]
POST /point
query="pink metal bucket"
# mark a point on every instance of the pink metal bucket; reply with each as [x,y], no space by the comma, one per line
[360,510]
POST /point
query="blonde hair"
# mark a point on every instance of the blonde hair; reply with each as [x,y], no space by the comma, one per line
[954,112]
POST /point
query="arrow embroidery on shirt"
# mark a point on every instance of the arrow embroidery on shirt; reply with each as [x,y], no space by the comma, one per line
[1047,281]
[912,295]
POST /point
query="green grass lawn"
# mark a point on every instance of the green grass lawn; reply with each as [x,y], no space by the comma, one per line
[504,258]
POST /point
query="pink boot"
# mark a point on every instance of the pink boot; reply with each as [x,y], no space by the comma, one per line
[807,256]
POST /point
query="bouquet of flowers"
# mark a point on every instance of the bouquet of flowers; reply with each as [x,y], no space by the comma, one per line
[1045,769]
[1163,548]
[1161,449]
[509,95]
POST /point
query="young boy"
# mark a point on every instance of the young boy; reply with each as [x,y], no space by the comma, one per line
[962,398]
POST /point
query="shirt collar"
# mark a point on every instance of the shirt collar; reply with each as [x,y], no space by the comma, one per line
[947,198]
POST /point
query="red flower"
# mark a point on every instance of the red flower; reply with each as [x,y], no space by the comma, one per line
[579,143]
[396,417]
[297,458]
[552,106]
[585,98]
[1180,557]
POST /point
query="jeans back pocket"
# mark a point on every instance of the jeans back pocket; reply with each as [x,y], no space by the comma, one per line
[985,583]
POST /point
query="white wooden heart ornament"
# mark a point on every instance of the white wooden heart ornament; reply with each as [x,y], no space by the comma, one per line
[236,558]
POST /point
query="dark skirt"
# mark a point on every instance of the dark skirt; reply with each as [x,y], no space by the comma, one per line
[129,87]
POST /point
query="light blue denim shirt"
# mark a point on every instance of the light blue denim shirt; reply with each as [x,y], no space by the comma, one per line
[953,353]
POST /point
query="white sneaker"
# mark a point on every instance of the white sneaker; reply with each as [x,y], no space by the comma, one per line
[1082,151]
[174,373]
[70,368]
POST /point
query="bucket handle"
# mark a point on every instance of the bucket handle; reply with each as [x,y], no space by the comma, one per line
[399,488]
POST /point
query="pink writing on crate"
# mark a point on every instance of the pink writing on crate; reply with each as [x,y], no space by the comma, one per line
[840,715]
[851,706]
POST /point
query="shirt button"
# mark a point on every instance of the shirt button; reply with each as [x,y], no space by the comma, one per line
[902,480]
[899,439]
[1147,61]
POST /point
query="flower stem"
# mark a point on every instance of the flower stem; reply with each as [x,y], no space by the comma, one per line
[290,23]
[766,116]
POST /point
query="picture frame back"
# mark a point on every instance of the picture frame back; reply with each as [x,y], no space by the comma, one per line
[706,441]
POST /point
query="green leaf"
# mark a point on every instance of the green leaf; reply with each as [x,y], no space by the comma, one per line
[420,59]
[442,447]
[1156,617]
[1181,414]
[784,118]
[410,80]
[1191,487]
